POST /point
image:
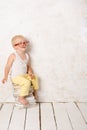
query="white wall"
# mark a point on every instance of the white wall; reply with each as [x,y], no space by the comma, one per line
[57,30]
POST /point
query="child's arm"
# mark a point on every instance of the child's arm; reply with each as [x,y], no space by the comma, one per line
[30,71]
[35,94]
[7,67]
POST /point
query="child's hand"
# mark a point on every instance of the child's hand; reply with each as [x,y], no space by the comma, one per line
[4,80]
[32,76]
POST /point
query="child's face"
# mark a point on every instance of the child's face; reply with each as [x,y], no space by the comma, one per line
[21,44]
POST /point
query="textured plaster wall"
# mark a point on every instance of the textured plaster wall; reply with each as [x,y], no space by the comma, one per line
[57,30]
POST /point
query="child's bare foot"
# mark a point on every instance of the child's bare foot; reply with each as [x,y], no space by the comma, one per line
[23,101]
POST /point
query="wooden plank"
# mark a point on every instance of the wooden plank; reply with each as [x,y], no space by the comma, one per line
[18,119]
[75,117]
[62,120]
[32,118]
[47,117]
[83,109]
[5,115]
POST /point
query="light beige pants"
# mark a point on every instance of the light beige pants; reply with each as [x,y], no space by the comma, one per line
[24,81]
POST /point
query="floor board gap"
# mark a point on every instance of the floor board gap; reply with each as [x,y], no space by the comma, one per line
[54,116]
[10,117]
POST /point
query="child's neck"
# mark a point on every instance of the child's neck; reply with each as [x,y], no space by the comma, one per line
[20,52]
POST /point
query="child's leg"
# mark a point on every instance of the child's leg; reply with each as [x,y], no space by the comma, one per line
[23,83]
[35,86]
[35,83]
[24,88]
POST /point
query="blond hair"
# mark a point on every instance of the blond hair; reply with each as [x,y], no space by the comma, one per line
[16,39]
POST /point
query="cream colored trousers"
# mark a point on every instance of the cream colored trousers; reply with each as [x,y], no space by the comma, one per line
[24,81]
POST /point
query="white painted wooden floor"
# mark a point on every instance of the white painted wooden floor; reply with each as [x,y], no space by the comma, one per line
[44,116]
